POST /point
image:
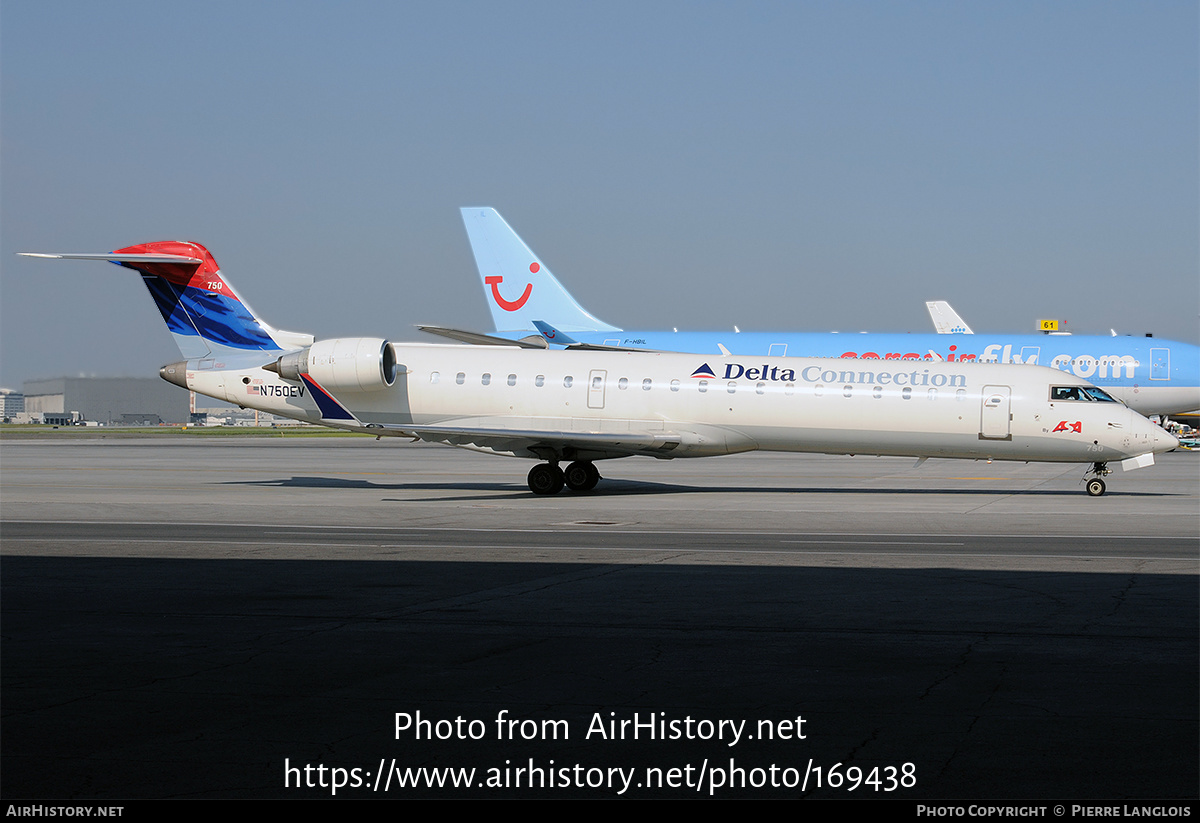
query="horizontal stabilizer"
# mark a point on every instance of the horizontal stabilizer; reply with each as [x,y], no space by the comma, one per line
[118,258]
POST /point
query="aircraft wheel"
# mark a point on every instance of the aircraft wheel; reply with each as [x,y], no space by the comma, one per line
[581,476]
[545,479]
[1095,487]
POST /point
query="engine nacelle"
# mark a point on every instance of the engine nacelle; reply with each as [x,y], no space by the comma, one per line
[344,363]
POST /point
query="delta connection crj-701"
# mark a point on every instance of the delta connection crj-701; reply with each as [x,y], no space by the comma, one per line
[582,406]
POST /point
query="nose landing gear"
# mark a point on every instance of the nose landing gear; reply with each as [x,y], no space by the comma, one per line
[548,478]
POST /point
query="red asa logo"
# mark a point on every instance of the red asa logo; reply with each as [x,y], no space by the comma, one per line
[510,305]
[1063,426]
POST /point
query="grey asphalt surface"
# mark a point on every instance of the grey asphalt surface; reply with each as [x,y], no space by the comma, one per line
[193,618]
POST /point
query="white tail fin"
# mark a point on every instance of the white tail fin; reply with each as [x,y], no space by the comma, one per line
[946,319]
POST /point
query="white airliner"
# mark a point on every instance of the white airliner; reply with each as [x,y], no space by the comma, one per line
[577,407]
[1149,375]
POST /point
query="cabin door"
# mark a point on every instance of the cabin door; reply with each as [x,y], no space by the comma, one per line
[996,416]
[1160,364]
[596,381]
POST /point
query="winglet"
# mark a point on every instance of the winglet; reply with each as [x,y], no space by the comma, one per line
[553,335]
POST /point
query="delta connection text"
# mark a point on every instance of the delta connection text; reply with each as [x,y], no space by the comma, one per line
[829,374]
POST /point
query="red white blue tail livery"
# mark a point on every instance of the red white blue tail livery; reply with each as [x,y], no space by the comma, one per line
[204,313]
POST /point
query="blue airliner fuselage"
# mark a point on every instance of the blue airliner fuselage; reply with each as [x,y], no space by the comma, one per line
[1152,376]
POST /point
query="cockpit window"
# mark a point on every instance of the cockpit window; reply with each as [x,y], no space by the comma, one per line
[1089,393]
[1098,394]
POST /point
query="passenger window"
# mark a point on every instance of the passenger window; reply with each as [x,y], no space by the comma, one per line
[512,380]
[646,384]
[907,393]
[460,378]
[703,386]
[789,389]
[818,390]
[567,381]
[434,377]
[540,380]
[597,382]
[877,392]
[760,388]
[674,385]
[932,394]
[486,379]
[732,387]
[960,395]
[847,391]
[623,383]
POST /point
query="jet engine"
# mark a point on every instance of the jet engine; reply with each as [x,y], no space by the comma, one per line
[344,363]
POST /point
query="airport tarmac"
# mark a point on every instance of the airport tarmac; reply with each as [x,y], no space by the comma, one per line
[206,617]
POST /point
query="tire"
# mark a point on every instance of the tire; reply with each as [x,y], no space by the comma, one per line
[545,479]
[1095,487]
[581,476]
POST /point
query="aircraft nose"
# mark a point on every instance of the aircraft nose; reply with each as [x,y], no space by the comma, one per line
[1164,441]
[1149,433]
[1145,437]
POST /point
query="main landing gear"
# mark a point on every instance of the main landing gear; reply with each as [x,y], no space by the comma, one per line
[548,478]
[1095,485]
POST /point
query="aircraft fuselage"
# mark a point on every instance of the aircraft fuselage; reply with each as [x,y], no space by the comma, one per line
[614,404]
[1149,375]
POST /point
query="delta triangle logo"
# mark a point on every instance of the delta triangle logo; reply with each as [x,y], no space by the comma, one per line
[704,371]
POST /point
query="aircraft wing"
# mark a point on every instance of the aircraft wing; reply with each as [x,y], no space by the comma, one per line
[602,347]
[544,443]
[533,341]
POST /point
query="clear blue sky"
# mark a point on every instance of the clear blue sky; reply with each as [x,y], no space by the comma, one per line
[807,165]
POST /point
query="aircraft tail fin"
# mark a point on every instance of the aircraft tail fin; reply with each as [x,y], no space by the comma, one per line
[203,312]
[518,286]
[946,319]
